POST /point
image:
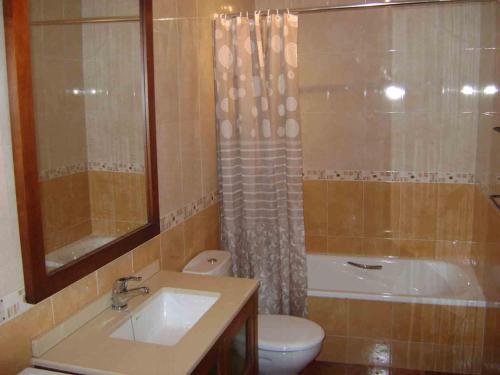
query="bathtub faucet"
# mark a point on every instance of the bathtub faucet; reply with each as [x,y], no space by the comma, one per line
[365,266]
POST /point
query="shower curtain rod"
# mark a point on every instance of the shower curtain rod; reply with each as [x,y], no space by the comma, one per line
[79,21]
[348,6]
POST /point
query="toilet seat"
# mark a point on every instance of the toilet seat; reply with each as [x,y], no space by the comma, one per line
[282,333]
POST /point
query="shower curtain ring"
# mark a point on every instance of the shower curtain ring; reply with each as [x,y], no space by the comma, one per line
[268,12]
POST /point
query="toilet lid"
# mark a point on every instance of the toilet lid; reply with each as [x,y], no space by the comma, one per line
[288,333]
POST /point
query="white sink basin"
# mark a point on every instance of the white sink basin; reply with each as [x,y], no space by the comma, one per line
[166,317]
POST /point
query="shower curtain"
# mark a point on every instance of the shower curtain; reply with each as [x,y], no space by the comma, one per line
[260,156]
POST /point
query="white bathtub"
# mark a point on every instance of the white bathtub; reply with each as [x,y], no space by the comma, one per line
[399,280]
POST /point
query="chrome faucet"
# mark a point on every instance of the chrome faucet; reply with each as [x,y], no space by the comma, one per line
[121,294]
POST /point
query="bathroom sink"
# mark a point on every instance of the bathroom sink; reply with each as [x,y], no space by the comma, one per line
[166,317]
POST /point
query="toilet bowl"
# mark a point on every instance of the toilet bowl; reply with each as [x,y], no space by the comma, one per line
[286,344]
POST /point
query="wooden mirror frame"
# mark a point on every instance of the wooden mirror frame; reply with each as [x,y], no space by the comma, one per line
[38,283]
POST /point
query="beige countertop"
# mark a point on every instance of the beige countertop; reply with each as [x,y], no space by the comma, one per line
[91,350]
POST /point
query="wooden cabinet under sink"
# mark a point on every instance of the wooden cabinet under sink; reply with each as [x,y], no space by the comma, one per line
[235,352]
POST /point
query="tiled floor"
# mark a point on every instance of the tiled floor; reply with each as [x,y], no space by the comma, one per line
[327,368]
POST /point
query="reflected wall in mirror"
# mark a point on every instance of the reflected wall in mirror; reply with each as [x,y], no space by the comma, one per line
[81,92]
[89,119]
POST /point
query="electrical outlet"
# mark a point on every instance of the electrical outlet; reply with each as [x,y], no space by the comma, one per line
[12,305]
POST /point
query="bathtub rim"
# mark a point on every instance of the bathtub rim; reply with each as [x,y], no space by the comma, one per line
[321,293]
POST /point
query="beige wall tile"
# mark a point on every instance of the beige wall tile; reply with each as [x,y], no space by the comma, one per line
[413,355]
[330,313]
[345,245]
[74,297]
[314,99]
[192,183]
[455,359]
[102,192]
[170,184]
[415,322]
[492,337]
[130,197]
[381,209]
[186,8]
[363,314]
[206,69]
[57,239]
[16,336]
[316,244]
[493,223]
[417,248]
[72,9]
[209,156]
[65,209]
[383,144]
[201,232]
[418,211]
[81,197]
[315,208]
[207,8]
[481,207]
[455,212]
[369,352]
[339,32]
[461,326]
[103,227]
[345,208]
[107,275]
[164,8]
[166,49]
[146,253]
[328,140]
[334,349]
[380,247]
[188,70]
[172,249]
[453,251]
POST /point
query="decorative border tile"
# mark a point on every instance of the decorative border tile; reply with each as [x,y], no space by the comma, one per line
[182,214]
[50,174]
[116,167]
[421,177]
[390,176]
[456,178]
[384,176]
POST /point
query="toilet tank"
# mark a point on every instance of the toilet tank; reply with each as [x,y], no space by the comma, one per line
[210,262]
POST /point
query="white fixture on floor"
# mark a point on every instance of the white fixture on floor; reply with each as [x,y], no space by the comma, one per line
[286,344]
[167,316]
[35,371]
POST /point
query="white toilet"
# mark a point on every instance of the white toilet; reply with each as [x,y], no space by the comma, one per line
[287,344]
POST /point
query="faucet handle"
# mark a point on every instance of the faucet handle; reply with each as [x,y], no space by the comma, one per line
[121,285]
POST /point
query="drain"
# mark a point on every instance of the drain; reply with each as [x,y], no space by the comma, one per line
[212,260]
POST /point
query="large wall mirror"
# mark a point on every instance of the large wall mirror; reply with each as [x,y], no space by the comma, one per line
[82,108]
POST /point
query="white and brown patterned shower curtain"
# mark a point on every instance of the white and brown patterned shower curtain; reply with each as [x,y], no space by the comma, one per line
[260,156]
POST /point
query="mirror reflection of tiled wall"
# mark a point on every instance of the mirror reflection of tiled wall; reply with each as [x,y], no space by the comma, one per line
[89,120]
